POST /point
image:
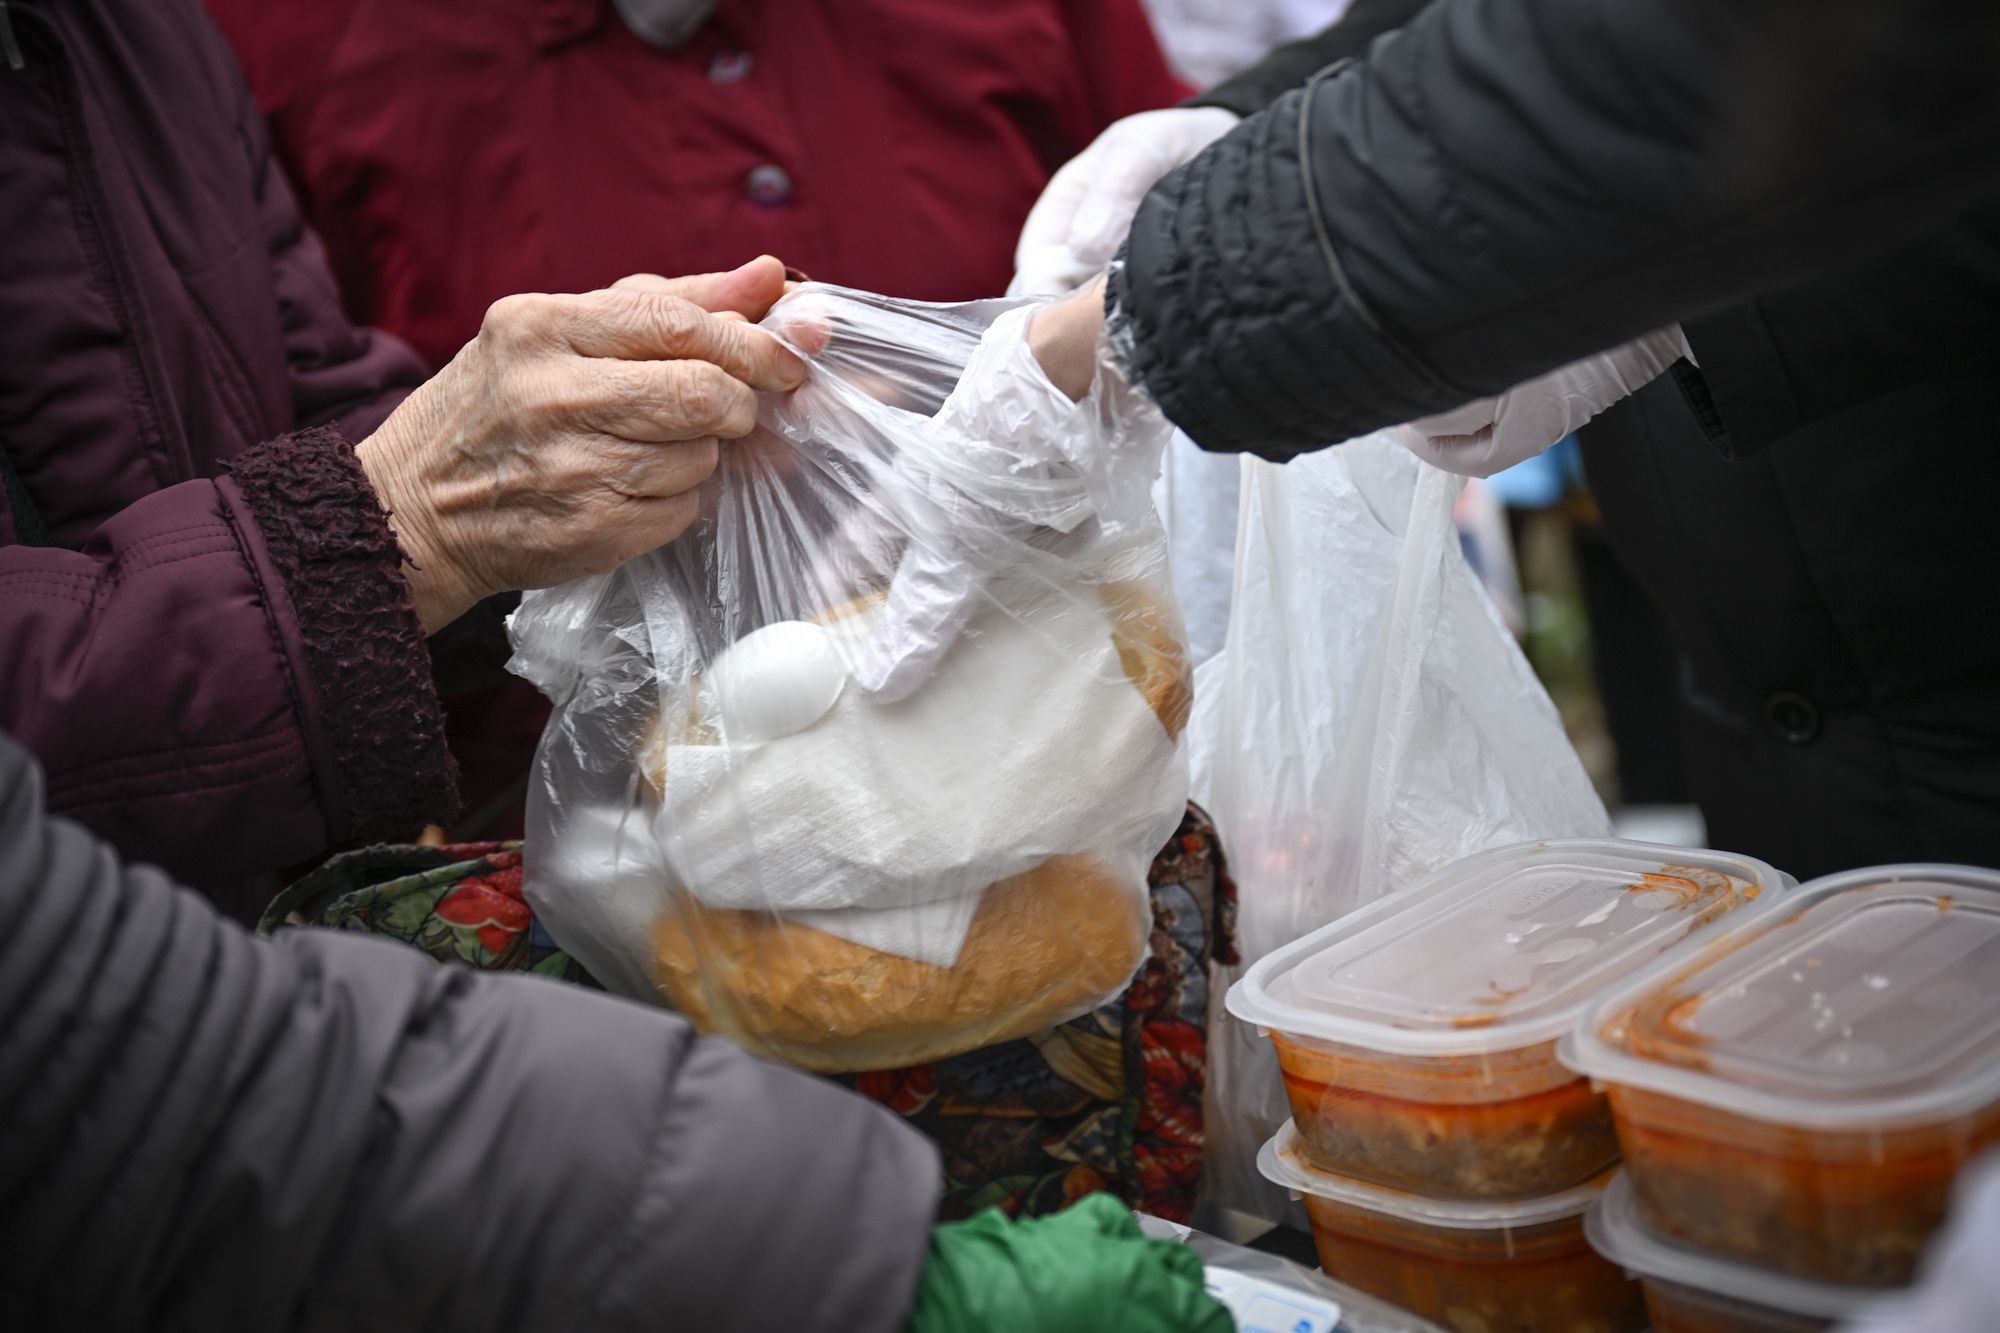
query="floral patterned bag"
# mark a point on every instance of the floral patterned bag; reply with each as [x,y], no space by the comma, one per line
[459,904]
[1111,1101]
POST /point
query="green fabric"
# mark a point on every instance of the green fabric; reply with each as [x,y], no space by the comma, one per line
[1086,1270]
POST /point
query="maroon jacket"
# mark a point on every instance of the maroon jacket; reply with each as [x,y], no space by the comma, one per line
[204,634]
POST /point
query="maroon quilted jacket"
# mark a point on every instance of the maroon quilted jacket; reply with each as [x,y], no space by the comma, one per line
[204,634]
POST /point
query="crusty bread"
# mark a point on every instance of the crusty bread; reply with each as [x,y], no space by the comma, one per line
[1044,946]
[1147,633]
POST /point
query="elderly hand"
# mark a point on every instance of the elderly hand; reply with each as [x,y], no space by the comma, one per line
[571,434]
[1081,219]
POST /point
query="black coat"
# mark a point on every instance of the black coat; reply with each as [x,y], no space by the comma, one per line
[1502,186]
[1813,512]
[1832,583]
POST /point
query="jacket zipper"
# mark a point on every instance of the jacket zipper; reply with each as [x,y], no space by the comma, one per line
[9,48]
[158,436]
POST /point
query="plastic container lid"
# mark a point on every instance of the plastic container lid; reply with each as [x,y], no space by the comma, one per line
[1616,1231]
[1280,1164]
[1495,952]
[1861,1001]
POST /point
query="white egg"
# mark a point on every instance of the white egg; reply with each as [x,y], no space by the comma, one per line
[774,682]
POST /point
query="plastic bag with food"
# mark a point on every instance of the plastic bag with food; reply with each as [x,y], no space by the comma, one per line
[867,768]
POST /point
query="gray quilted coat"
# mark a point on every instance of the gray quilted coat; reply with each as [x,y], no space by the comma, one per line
[203,1130]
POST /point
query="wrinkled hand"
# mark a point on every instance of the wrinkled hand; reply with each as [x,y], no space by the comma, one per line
[1081,219]
[571,434]
[1490,435]
[1083,1270]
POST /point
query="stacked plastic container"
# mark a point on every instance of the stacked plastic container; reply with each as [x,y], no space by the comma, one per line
[1795,1099]
[1445,1156]
[1691,1292]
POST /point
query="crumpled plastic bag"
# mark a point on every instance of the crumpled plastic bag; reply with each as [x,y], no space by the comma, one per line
[1369,720]
[867,768]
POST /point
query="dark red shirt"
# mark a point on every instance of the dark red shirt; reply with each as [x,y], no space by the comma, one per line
[453,151]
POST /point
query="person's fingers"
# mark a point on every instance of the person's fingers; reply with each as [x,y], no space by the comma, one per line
[748,290]
[1466,419]
[1471,455]
[660,401]
[637,324]
[662,471]
[643,282]
[804,322]
[645,524]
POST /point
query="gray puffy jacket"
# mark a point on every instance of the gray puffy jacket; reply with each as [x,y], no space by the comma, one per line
[1502,186]
[200,1129]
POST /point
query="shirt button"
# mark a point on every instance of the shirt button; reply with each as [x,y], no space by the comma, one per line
[769,186]
[1791,717]
[729,67]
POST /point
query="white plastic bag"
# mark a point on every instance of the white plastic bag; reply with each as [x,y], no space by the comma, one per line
[1369,720]
[1197,499]
[867,768]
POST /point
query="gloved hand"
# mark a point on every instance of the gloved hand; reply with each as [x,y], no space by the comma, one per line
[1081,219]
[1015,481]
[1082,1271]
[1489,435]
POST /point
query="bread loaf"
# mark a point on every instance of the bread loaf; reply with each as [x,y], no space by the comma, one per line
[1043,946]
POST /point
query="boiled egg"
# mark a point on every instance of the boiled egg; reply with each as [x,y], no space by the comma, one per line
[773,682]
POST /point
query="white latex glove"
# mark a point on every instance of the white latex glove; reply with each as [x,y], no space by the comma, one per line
[1017,482]
[1081,219]
[1490,435]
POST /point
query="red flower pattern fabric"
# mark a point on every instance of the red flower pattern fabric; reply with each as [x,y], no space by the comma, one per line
[491,905]
[1107,1103]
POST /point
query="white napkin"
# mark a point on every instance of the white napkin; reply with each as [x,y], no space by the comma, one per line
[883,822]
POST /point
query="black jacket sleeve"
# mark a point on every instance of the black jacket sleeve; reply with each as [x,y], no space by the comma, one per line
[1290,65]
[200,1129]
[1502,186]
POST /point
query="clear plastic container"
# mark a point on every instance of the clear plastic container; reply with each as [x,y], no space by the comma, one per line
[1688,1291]
[1417,1036]
[1800,1093]
[1522,1266]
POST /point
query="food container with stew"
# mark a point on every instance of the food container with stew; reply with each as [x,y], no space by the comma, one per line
[1688,1291]
[1474,1266]
[1801,1091]
[1417,1036]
